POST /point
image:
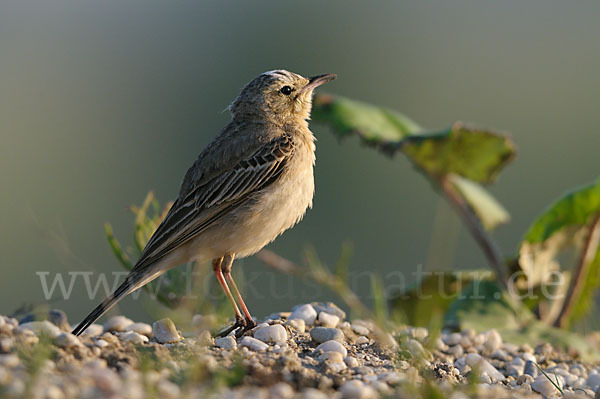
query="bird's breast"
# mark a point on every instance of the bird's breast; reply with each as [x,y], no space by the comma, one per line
[268,213]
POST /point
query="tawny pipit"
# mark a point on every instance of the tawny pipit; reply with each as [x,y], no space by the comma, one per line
[253,182]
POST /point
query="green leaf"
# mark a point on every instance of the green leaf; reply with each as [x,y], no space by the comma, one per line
[483,305]
[490,212]
[557,241]
[573,209]
[373,124]
[475,154]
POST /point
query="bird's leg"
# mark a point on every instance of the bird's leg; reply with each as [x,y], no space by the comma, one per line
[240,322]
[226,268]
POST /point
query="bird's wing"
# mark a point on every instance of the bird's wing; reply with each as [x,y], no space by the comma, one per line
[206,201]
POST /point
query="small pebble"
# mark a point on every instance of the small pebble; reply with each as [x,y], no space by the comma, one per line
[133,337]
[41,327]
[456,351]
[10,360]
[416,349]
[323,334]
[297,324]
[530,369]
[165,332]
[361,340]
[452,339]
[333,357]
[6,344]
[529,357]
[332,346]
[117,324]
[100,343]
[355,389]
[359,329]
[67,340]
[475,361]
[227,342]
[419,333]
[205,338]
[524,379]
[140,328]
[499,354]
[350,361]
[271,334]
[306,313]
[593,381]
[93,330]
[328,320]
[281,390]
[544,386]
[253,344]
[329,307]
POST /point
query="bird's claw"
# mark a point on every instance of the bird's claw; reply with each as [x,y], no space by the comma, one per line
[240,327]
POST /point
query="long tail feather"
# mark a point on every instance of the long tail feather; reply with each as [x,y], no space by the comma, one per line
[127,287]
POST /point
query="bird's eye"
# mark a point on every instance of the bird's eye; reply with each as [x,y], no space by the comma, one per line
[287,90]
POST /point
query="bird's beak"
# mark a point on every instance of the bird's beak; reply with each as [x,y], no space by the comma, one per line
[316,81]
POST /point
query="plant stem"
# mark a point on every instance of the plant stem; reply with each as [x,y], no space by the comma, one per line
[489,247]
[587,256]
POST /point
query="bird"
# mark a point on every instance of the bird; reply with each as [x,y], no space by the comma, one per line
[251,183]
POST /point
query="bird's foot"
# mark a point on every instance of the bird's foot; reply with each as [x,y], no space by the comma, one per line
[240,327]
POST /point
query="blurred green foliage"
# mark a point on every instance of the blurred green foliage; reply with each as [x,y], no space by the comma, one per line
[457,160]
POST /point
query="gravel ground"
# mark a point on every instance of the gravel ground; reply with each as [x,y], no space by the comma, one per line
[310,352]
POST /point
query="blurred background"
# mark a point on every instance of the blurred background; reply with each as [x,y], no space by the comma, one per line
[101,102]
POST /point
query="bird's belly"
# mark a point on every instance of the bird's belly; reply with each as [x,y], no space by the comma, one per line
[264,217]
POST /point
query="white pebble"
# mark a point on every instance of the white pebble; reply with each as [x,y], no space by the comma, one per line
[254,344]
[328,320]
[416,349]
[452,339]
[476,361]
[167,389]
[41,327]
[281,390]
[93,330]
[529,356]
[543,385]
[493,340]
[419,333]
[332,346]
[350,361]
[361,340]
[360,329]
[306,313]
[9,361]
[227,342]
[133,337]
[593,381]
[333,357]
[117,324]
[297,324]
[67,340]
[100,343]
[165,332]
[355,389]
[271,334]
[140,328]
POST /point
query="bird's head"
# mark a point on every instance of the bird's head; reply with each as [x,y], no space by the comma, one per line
[278,96]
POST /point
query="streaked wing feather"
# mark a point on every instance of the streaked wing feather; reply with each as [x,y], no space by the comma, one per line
[208,202]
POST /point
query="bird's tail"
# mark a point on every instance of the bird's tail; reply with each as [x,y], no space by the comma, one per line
[128,286]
